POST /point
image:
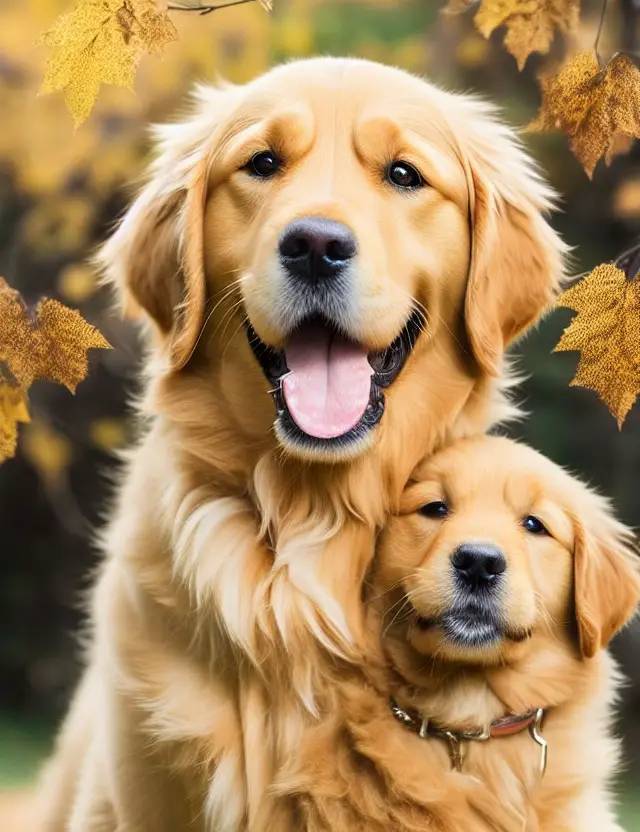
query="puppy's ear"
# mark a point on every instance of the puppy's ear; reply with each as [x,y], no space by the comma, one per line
[155,257]
[606,577]
[517,260]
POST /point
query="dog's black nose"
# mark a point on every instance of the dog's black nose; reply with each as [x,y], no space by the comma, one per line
[478,564]
[315,248]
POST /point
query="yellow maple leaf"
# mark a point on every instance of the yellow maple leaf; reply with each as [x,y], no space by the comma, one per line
[596,108]
[13,409]
[606,331]
[50,342]
[531,24]
[101,42]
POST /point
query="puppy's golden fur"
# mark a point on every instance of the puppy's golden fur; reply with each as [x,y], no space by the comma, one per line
[563,595]
[234,558]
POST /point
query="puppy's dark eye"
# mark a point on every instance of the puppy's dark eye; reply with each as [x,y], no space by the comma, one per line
[534,526]
[435,509]
[404,175]
[263,164]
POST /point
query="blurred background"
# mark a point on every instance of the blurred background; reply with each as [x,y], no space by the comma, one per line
[60,192]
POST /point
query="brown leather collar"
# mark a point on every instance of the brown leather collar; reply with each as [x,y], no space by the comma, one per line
[506,726]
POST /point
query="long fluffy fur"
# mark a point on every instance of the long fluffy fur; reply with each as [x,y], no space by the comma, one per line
[233,569]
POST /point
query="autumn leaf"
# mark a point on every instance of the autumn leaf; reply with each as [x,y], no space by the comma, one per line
[101,42]
[606,331]
[596,108]
[49,343]
[531,24]
[13,409]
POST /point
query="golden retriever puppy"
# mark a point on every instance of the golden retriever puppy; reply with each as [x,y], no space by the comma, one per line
[326,260]
[487,701]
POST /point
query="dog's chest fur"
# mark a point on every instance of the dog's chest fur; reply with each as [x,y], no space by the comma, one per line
[362,770]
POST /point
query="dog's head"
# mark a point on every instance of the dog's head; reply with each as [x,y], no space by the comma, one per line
[311,233]
[496,545]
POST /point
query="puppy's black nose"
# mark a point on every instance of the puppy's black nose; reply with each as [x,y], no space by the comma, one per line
[315,248]
[478,564]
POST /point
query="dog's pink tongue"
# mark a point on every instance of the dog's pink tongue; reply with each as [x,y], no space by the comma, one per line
[327,388]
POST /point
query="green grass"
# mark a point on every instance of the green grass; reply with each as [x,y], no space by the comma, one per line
[23,747]
[630,802]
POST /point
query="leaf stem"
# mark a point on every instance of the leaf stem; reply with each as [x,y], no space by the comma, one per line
[202,10]
[600,25]
[627,261]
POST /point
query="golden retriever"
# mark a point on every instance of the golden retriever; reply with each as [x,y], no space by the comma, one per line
[330,262]
[494,593]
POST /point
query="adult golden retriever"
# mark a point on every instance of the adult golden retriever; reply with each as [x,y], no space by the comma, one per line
[330,262]
[496,589]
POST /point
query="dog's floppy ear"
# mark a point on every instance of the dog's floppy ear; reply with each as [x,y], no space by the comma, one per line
[606,577]
[155,257]
[517,259]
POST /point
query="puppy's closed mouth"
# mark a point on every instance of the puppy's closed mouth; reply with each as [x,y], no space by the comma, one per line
[328,389]
[470,629]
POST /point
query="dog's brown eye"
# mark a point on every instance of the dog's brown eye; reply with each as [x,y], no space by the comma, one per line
[435,509]
[534,526]
[404,175]
[263,164]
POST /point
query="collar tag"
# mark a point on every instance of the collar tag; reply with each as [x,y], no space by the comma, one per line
[455,750]
[534,730]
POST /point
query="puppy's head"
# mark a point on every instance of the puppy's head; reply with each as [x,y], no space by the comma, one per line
[496,545]
[321,228]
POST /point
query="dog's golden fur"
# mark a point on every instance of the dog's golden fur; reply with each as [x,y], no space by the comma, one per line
[564,595]
[234,560]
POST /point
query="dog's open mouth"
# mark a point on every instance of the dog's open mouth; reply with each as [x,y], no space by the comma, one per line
[328,388]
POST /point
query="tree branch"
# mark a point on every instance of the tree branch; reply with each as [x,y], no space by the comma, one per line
[599,32]
[207,9]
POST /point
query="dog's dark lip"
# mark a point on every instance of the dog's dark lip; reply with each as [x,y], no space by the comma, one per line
[386,364]
[462,630]
[470,628]
[423,623]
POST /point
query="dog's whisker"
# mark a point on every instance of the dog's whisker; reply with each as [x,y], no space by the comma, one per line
[224,322]
[386,591]
[395,617]
[228,290]
[234,333]
[427,314]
